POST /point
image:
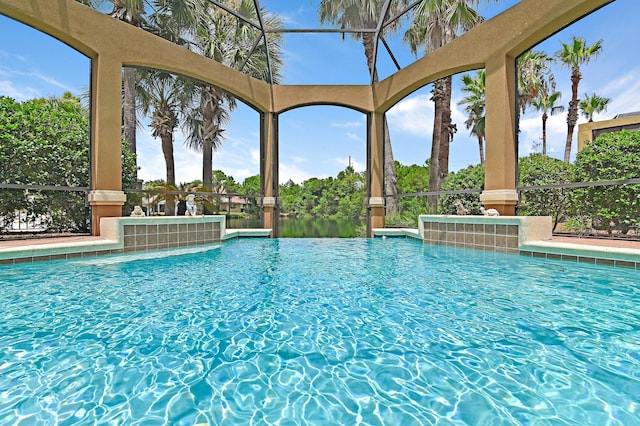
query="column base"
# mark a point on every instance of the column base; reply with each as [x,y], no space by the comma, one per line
[105,203]
[376,214]
[503,200]
[269,218]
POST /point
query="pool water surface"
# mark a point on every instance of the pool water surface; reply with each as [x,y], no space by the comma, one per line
[320,332]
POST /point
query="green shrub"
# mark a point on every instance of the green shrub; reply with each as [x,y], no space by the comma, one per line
[471,177]
[537,170]
[46,142]
[611,156]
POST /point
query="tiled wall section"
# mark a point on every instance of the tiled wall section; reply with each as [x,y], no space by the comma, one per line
[582,258]
[483,236]
[142,237]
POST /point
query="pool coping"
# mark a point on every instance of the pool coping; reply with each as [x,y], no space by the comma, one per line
[583,252]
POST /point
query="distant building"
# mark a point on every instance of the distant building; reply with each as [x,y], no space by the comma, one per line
[591,130]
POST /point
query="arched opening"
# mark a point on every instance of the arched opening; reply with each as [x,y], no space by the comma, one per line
[566,171]
[44,141]
[322,166]
[195,138]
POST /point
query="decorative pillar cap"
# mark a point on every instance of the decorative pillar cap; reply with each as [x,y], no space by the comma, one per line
[499,196]
[376,202]
[269,201]
[105,197]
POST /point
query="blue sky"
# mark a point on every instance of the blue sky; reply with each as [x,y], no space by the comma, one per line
[318,141]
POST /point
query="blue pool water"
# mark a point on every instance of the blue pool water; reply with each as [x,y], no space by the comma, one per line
[322,332]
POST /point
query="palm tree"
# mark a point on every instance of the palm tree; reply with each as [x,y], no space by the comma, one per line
[535,78]
[573,55]
[228,40]
[475,106]
[164,97]
[547,104]
[365,14]
[593,104]
[436,23]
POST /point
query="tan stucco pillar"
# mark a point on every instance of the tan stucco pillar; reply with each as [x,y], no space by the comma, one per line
[500,166]
[106,196]
[375,172]
[269,171]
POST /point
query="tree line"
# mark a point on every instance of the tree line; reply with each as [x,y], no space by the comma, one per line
[46,142]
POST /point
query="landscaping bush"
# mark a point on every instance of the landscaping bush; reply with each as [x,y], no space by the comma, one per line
[46,142]
[611,156]
[536,170]
[471,177]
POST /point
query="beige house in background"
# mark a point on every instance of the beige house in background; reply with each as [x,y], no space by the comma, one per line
[591,130]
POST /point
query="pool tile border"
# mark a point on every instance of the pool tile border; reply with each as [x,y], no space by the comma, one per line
[126,235]
[611,256]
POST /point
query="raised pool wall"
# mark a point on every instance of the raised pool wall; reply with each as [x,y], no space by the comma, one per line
[152,233]
[133,234]
[504,234]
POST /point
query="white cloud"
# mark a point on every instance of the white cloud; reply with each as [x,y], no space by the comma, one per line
[290,171]
[624,96]
[20,94]
[298,160]
[49,81]
[621,84]
[413,115]
[353,136]
[348,124]
[238,166]
[531,134]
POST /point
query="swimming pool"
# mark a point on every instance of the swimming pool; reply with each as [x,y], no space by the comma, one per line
[320,331]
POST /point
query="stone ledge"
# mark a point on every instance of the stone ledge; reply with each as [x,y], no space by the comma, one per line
[246,232]
[134,234]
[397,232]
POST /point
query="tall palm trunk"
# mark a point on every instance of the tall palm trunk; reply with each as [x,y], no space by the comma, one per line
[443,130]
[545,116]
[129,113]
[434,164]
[481,147]
[572,115]
[390,179]
[167,150]
[130,12]
[208,118]
[447,130]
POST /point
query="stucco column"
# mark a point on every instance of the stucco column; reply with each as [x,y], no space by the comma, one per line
[106,196]
[375,172]
[500,165]
[269,171]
